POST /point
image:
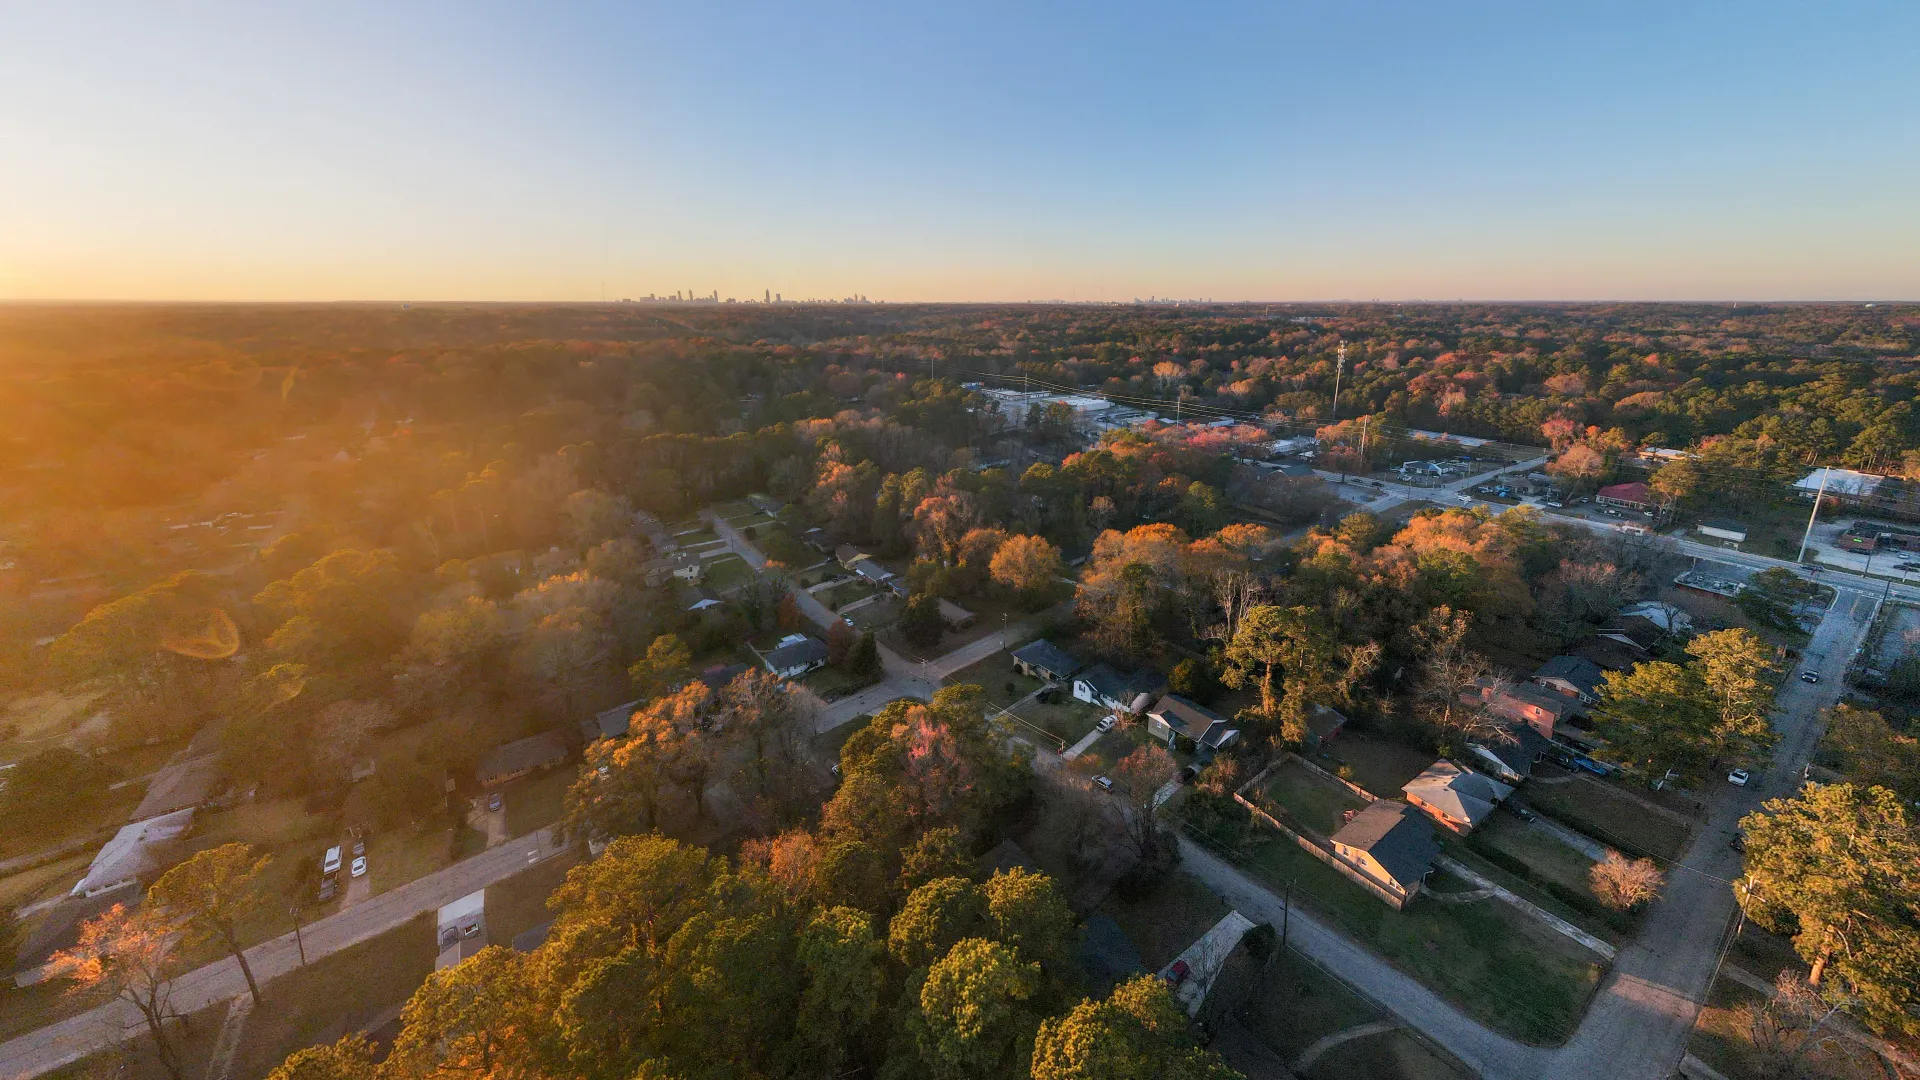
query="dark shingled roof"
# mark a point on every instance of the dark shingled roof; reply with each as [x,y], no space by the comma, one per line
[521,755]
[1397,837]
[1577,670]
[798,654]
[1047,656]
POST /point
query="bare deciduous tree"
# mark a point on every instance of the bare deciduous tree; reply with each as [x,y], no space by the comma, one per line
[1622,883]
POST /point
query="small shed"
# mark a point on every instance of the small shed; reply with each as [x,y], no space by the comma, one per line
[1721,529]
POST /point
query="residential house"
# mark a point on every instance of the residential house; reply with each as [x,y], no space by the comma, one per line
[1043,659]
[132,858]
[1637,631]
[1731,532]
[1174,717]
[1632,495]
[1541,709]
[954,616]
[719,676]
[1455,797]
[872,571]
[796,655]
[817,539]
[1608,654]
[608,723]
[1389,845]
[1511,759]
[1323,723]
[1105,688]
[510,761]
[684,565]
[1571,676]
[847,555]
[1667,617]
[766,504]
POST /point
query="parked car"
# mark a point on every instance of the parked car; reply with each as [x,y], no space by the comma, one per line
[1178,973]
[360,867]
[493,801]
[1463,497]
[1103,783]
[359,848]
[1556,504]
[1105,724]
[1809,677]
[1517,810]
[1739,777]
[326,888]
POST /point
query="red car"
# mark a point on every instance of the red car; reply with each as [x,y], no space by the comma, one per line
[1178,973]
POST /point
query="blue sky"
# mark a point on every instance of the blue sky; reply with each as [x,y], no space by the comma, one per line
[940,151]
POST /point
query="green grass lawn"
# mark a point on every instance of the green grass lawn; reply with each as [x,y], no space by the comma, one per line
[519,903]
[1379,766]
[1067,720]
[1495,963]
[1543,854]
[335,994]
[534,802]
[1116,744]
[833,682]
[401,855]
[27,886]
[723,574]
[1295,1004]
[1313,801]
[996,676]
[1610,818]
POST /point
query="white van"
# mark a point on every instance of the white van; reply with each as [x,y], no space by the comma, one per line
[331,864]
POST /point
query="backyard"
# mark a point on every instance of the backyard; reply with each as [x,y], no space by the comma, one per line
[1379,766]
[725,573]
[1303,797]
[1295,1003]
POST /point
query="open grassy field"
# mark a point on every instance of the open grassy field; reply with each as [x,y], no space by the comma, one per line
[1610,818]
[1495,963]
[1311,800]
[1067,719]
[724,574]
[398,856]
[1294,1004]
[996,676]
[534,802]
[1378,765]
[1543,854]
[519,903]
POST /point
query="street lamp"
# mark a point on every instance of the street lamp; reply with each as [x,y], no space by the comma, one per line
[298,941]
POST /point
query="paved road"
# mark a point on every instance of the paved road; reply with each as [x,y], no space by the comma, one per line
[50,1047]
[1637,1026]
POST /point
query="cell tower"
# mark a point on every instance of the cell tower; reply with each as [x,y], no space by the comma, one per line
[1339,369]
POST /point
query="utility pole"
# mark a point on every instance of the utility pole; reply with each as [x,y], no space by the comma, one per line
[1824,473]
[1339,369]
[1286,913]
[297,939]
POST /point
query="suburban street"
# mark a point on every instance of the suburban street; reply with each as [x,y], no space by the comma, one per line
[69,1040]
[1638,1023]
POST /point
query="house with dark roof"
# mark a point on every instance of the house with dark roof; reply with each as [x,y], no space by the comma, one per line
[1389,845]
[847,555]
[1043,659]
[1510,759]
[1105,688]
[796,655]
[1571,676]
[1636,631]
[1323,723]
[1609,654]
[873,571]
[1455,797]
[510,761]
[1174,717]
[608,723]
[719,675]
[954,616]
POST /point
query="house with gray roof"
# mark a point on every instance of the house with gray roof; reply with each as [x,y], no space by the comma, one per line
[1105,688]
[1390,845]
[796,655]
[1174,717]
[1043,659]
[1455,797]
[510,761]
[1574,676]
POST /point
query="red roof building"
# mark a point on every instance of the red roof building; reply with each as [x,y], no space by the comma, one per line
[1632,496]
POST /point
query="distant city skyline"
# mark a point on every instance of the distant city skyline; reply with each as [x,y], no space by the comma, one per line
[1000,152]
